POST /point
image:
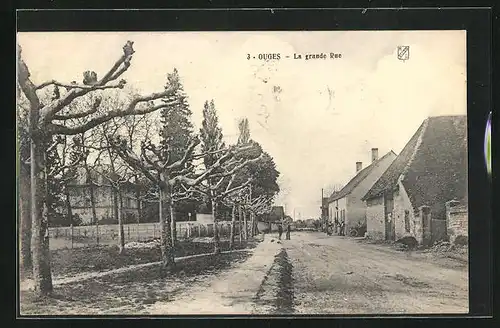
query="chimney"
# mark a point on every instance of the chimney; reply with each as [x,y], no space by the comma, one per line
[359,166]
[374,154]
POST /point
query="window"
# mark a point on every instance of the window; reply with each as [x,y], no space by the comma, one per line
[407,221]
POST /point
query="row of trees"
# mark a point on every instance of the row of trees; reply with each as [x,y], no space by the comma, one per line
[102,127]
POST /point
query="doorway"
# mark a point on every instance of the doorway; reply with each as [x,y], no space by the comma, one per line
[390,227]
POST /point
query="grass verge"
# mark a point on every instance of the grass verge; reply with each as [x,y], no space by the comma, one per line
[66,262]
[276,291]
[129,292]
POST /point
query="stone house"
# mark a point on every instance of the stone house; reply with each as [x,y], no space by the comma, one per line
[346,205]
[409,198]
[80,198]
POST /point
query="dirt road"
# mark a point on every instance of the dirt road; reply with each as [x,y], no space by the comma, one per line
[339,275]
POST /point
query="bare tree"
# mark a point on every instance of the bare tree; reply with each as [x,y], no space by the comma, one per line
[234,201]
[223,184]
[48,119]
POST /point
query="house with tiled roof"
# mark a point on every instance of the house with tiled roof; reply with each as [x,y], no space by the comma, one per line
[96,187]
[410,197]
[346,205]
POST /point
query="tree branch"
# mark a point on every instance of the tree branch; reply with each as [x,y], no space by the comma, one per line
[80,90]
[129,110]
[92,110]
[227,192]
[238,167]
[187,154]
[129,157]
[27,86]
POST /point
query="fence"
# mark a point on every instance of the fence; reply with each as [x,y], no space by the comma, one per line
[84,236]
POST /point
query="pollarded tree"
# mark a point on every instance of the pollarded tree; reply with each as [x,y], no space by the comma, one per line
[215,189]
[48,118]
[157,166]
[222,184]
[263,174]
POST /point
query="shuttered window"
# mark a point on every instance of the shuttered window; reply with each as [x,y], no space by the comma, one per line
[407,221]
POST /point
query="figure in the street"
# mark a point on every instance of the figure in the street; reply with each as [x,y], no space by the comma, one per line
[329,229]
[280,231]
[288,229]
[342,228]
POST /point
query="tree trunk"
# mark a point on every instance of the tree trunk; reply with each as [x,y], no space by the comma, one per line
[25,218]
[139,202]
[240,214]
[39,215]
[92,203]
[167,253]
[252,216]
[121,232]
[69,211]
[232,232]
[245,226]
[173,223]
[254,224]
[216,228]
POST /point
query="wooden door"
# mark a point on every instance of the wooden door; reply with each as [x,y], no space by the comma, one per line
[390,227]
[426,226]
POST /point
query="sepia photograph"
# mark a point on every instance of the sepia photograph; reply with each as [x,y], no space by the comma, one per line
[242,173]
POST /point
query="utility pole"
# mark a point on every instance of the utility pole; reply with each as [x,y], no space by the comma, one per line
[323,220]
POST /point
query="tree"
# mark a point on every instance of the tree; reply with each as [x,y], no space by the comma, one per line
[220,185]
[157,165]
[211,134]
[176,132]
[244,137]
[47,119]
[215,189]
[23,149]
[264,176]
[110,167]
[63,158]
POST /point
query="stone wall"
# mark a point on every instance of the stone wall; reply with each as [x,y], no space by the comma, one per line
[403,207]
[457,220]
[375,223]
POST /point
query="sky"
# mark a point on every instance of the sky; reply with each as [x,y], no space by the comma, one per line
[316,117]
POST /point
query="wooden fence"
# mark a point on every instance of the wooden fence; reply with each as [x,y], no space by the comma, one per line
[84,236]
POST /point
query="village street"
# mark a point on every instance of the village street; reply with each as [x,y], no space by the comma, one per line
[340,275]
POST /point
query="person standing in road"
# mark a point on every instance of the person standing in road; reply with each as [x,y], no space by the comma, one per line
[280,230]
[288,229]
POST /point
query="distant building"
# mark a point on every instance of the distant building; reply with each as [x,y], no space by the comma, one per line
[324,212]
[268,222]
[411,197]
[277,214]
[346,205]
[105,203]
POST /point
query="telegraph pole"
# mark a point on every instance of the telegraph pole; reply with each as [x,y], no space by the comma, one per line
[323,223]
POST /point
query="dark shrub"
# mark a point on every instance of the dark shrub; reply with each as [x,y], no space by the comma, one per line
[409,242]
[461,240]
